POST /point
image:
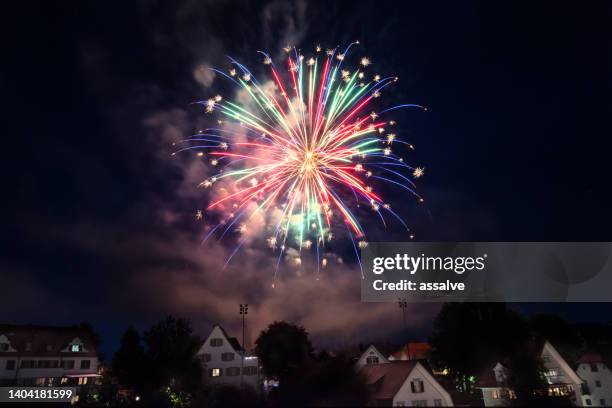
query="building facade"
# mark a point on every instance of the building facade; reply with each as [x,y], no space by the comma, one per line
[594,369]
[224,361]
[371,355]
[47,356]
[404,384]
[561,380]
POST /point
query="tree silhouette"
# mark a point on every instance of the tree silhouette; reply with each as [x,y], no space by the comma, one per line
[283,350]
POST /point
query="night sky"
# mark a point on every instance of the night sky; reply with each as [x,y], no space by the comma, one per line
[99,218]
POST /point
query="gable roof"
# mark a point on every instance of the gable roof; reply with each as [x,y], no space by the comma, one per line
[233,342]
[39,337]
[386,379]
[412,351]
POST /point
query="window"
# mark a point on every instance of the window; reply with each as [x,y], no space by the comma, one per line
[417,386]
[216,342]
[85,364]
[597,383]
[28,346]
[47,363]
[215,372]
[419,403]
[594,367]
[372,360]
[75,348]
[64,380]
[602,402]
[40,381]
[227,356]
[250,370]
[67,364]
[4,346]
[10,364]
[437,402]
[28,363]
[82,380]
[232,371]
[49,347]
[398,403]
[205,358]
[587,401]
[496,394]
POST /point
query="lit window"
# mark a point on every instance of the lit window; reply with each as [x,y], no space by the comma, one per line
[82,380]
[496,394]
[216,342]
[75,348]
[64,380]
[215,372]
[40,381]
[372,360]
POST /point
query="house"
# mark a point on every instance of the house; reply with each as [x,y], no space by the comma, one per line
[224,361]
[594,369]
[404,384]
[47,356]
[370,355]
[561,380]
[412,351]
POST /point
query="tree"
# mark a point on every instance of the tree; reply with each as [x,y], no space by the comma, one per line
[565,337]
[171,348]
[283,350]
[129,364]
[469,337]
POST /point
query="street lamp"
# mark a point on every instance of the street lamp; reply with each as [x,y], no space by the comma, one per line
[244,310]
[403,304]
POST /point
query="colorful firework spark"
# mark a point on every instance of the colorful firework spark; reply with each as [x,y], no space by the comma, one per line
[300,150]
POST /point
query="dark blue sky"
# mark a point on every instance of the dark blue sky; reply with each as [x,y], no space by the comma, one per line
[515,144]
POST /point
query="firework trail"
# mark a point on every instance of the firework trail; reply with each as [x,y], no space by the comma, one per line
[300,151]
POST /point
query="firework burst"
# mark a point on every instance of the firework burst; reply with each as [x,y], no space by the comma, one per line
[301,151]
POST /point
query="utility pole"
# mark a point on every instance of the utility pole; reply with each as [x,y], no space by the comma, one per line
[244,310]
[403,304]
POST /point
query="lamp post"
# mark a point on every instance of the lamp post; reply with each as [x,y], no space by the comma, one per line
[403,304]
[244,310]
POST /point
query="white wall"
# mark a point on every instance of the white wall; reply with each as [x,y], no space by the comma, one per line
[596,394]
[432,390]
[370,352]
[216,362]
[21,373]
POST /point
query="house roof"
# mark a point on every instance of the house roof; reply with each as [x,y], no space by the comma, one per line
[412,351]
[487,379]
[232,340]
[592,356]
[385,380]
[39,337]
